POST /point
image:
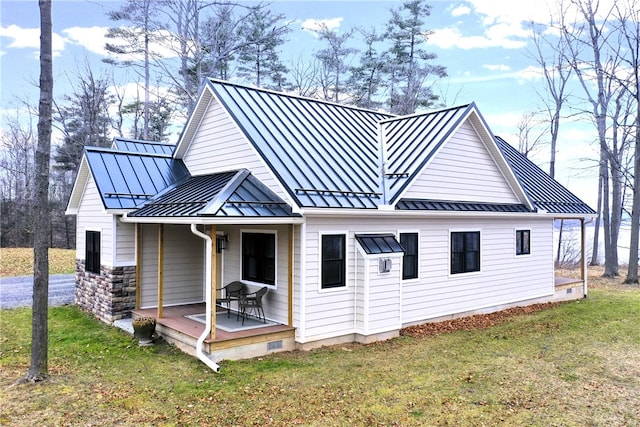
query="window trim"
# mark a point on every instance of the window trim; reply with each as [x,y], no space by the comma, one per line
[87,253]
[275,243]
[465,273]
[417,233]
[517,248]
[340,288]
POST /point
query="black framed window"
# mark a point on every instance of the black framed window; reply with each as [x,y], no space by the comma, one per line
[259,257]
[523,242]
[465,252]
[333,261]
[92,251]
[409,242]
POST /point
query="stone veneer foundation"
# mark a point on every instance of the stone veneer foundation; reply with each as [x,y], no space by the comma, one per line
[110,295]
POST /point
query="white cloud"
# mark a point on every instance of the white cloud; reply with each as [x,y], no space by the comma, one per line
[460,11]
[91,38]
[496,67]
[29,38]
[313,25]
[451,37]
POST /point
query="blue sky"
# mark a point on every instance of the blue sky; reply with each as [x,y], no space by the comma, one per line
[483,44]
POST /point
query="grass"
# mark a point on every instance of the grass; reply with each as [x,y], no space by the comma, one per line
[576,364]
[19,261]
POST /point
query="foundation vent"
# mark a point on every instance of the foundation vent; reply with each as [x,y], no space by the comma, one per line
[274,345]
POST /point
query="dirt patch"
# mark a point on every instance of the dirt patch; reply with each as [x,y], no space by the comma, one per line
[477,321]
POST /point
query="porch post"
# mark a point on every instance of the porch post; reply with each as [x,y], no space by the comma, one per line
[290,276]
[138,264]
[160,268]
[214,254]
[583,260]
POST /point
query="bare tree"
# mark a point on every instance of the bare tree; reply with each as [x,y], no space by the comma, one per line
[333,63]
[628,16]
[594,64]
[38,369]
[530,133]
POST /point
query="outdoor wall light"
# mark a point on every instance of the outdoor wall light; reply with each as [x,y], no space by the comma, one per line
[222,242]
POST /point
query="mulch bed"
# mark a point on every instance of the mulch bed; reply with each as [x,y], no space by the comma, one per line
[468,323]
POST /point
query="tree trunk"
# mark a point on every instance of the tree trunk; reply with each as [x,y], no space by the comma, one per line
[38,370]
[632,273]
[596,230]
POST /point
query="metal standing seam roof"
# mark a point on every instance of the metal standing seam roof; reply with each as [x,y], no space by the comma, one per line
[545,192]
[125,180]
[139,146]
[451,206]
[327,155]
[226,194]
[374,244]
[411,141]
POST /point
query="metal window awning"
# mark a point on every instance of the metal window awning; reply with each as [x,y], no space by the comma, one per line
[377,244]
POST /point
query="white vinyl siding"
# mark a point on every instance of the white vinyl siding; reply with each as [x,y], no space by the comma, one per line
[435,293]
[125,242]
[92,216]
[149,267]
[463,170]
[502,280]
[183,266]
[220,146]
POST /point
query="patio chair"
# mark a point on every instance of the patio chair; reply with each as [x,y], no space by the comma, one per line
[252,303]
[232,292]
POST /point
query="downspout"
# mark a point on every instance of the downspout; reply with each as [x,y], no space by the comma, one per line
[207,277]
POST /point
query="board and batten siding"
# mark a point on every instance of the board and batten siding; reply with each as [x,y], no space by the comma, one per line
[92,216]
[504,277]
[463,170]
[219,146]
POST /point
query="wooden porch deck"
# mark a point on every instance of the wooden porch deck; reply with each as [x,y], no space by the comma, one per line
[177,329]
[566,282]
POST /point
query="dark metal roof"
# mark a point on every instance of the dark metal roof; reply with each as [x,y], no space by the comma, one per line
[139,146]
[411,141]
[226,194]
[125,180]
[374,244]
[438,205]
[327,155]
[545,192]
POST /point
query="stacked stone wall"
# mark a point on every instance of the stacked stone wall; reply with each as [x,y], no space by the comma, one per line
[110,295]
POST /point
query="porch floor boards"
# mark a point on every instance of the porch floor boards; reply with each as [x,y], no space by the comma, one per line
[565,282]
[174,318]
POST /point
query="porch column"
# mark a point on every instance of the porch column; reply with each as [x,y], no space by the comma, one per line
[138,244]
[160,268]
[583,261]
[214,254]
[290,277]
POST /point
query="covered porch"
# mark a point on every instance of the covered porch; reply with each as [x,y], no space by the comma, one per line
[177,326]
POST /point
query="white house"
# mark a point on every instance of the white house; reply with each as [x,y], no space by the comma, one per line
[357,222]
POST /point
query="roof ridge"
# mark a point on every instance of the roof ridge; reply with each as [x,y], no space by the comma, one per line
[142,141]
[426,113]
[135,153]
[300,97]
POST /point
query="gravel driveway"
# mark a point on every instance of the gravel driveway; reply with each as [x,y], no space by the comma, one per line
[18,291]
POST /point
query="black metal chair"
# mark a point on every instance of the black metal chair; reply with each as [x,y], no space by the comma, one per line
[252,303]
[234,291]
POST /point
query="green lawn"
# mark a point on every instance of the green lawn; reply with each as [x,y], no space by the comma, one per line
[576,364]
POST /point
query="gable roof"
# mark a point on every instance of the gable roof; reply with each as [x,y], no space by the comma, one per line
[545,192]
[325,154]
[125,179]
[227,194]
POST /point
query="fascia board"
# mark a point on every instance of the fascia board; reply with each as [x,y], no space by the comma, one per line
[79,186]
[194,120]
